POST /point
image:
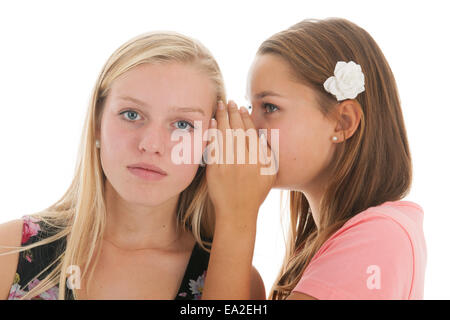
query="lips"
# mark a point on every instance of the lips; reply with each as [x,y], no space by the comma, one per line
[148,167]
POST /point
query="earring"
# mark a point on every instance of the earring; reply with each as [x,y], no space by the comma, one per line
[97,144]
[335,138]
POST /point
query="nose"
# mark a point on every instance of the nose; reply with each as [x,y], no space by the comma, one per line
[152,139]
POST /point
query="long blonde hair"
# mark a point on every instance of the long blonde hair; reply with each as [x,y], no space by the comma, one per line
[80,214]
[369,168]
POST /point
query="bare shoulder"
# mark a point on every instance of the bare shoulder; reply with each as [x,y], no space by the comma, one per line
[258,291]
[10,235]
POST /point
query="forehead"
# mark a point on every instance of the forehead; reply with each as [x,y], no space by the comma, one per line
[165,83]
[269,67]
[270,62]
[271,74]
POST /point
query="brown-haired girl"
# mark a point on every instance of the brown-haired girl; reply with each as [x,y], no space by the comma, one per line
[344,156]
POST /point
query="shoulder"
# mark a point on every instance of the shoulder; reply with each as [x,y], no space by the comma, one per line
[371,245]
[371,239]
[372,227]
[10,236]
[11,231]
[257,289]
[394,218]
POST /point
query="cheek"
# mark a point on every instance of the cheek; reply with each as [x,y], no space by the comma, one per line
[187,147]
[115,139]
[112,129]
[259,121]
[185,165]
[303,152]
[182,176]
[196,147]
[294,147]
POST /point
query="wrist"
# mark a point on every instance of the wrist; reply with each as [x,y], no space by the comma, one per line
[241,220]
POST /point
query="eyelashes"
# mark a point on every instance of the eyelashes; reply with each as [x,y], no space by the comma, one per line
[126,115]
[269,108]
[186,122]
[129,112]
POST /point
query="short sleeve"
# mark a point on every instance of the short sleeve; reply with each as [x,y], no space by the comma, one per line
[371,258]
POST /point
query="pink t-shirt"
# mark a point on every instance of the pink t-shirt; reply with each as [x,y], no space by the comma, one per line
[378,254]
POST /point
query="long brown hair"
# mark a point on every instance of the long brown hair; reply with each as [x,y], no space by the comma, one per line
[370,167]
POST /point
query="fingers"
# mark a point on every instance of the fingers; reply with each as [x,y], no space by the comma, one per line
[246,120]
[223,125]
[234,116]
[211,146]
[222,117]
[230,117]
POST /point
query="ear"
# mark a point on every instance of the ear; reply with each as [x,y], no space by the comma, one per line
[349,113]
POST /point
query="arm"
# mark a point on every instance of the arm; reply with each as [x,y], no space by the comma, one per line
[230,273]
[257,290]
[230,268]
[237,191]
[10,235]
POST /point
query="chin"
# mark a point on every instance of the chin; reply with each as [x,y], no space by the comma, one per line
[148,202]
[148,198]
[281,183]
[286,185]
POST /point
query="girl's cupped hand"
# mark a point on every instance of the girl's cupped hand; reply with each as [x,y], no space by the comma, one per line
[237,188]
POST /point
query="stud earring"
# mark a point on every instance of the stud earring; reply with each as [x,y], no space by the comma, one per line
[97,144]
[335,138]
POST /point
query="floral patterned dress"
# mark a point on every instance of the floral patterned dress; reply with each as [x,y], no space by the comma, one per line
[33,261]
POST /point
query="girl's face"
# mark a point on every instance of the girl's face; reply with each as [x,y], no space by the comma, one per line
[280,102]
[144,107]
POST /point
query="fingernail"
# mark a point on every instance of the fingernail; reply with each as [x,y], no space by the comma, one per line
[221,106]
[233,105]
[243,110]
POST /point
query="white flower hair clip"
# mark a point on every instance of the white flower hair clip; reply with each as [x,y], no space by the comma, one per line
[347,82]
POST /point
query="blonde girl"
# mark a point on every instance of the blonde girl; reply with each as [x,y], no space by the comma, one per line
[133,224]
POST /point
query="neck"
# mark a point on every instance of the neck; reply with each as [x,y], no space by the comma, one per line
[131,226]
[314,192]
[314,201]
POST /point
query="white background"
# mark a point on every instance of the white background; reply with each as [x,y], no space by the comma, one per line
[52,51]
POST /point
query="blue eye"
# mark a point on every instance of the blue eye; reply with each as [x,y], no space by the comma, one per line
[132,115]
[271,107]
[185,125]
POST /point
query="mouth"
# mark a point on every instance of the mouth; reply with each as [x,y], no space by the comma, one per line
[147,172]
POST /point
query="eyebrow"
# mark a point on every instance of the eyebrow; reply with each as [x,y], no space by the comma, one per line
[182,109]
[132,100]
[266,93]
